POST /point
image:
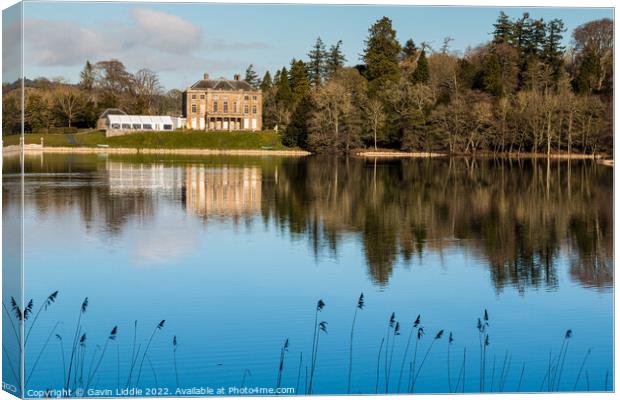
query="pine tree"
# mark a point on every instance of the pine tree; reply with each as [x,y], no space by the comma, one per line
[284,95]
[299,82]
[552,48]
[585,81]
[492,76]
[296,133]
[381,54]
[87,76]
[409,50]
[251,77]
[266,83]
[335,59]
[316,63]
[503,31]
[421,73]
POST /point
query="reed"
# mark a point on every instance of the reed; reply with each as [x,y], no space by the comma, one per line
[391,324]
[378,365]
[402,365]
[428,351]
[395,332]
[74,345]
[11,364]
[450,340]
[583,363]
[301,357]
[148,360]
[283,351]
[360,306]
[505,370]
[174,358]
[419,336]
[567,336]
[92,373]
[36,362]
[319,307]
[62,353]
[158,327]
[521,378]
[48,302]
[134,356]
[461,375]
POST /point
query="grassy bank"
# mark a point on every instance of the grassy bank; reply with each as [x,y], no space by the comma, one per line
[158,140]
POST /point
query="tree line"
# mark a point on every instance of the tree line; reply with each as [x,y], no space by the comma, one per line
[521,92]
[55,105]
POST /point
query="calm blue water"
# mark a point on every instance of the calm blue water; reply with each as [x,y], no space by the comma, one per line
[234,253]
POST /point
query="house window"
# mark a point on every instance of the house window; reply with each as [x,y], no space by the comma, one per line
[215,106]
[136,126]
[193,97]
[126,126]
[116,126]
[225,107]
[167,127]
[193,108]
[246,109]
[246,97]
[254,98]
[253,109]
[235,107]
[147,126]
[202,96]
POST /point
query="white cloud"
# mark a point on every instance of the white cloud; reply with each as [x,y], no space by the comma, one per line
[154,39]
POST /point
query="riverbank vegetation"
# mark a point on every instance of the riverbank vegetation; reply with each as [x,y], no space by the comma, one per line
[522,92]
[182,139]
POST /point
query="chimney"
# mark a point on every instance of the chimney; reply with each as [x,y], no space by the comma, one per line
[205,76]
[237,77]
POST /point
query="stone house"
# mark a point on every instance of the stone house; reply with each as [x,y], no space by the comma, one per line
[222,105]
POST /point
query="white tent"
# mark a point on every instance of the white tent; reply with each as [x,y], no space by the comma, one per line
[140,122]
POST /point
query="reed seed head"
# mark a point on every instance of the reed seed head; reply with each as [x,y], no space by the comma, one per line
[174,341]
[420,333]
[486,340]
[397,329]
[28,309]
[84,305]
[16,309]
[392,319]
[439,334]
[320,304]
[323,326]
[58,337]
[113,333]
[450,338]
[416,323]
[161,324]
[569,334]
[83,340]
[360,301]
[50,299]
[285,347]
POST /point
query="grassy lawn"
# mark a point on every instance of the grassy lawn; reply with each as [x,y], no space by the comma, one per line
[182,139]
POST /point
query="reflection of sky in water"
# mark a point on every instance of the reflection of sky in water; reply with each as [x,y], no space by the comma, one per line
[233,284]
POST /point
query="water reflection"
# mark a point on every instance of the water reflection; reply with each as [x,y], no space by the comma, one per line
[521,217]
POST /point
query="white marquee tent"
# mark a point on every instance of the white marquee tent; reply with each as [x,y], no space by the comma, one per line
[142,122]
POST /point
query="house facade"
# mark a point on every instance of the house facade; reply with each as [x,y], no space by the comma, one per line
[223,105]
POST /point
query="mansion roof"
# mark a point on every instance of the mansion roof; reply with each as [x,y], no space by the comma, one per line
[222,84]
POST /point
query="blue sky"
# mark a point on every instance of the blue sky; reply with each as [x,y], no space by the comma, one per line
[181,41]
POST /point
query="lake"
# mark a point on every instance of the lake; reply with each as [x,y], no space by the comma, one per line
[234,253]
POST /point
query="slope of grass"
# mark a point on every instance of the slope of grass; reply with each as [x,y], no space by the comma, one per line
[182,139]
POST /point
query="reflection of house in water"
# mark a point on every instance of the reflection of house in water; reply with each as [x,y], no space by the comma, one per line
[126,178]
[226,191]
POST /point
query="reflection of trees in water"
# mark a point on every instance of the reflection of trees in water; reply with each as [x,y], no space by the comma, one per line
[518,216]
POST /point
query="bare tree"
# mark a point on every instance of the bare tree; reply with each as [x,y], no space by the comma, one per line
[376,116]
[68,102]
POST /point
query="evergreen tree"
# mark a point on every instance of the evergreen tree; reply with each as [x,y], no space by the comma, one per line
[381,54]
[585,81]
[251,77]
[284,95]
[335,59]
[503,31]
[492,76]
[409,50]
[421,73]
[296,133]
[87,76]
[266,83]
[316,63]
[553,49]
[299,82]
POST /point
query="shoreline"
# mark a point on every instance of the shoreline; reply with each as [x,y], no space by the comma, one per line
[36,149]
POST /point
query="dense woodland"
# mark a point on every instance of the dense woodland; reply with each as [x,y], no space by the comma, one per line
[522,92]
